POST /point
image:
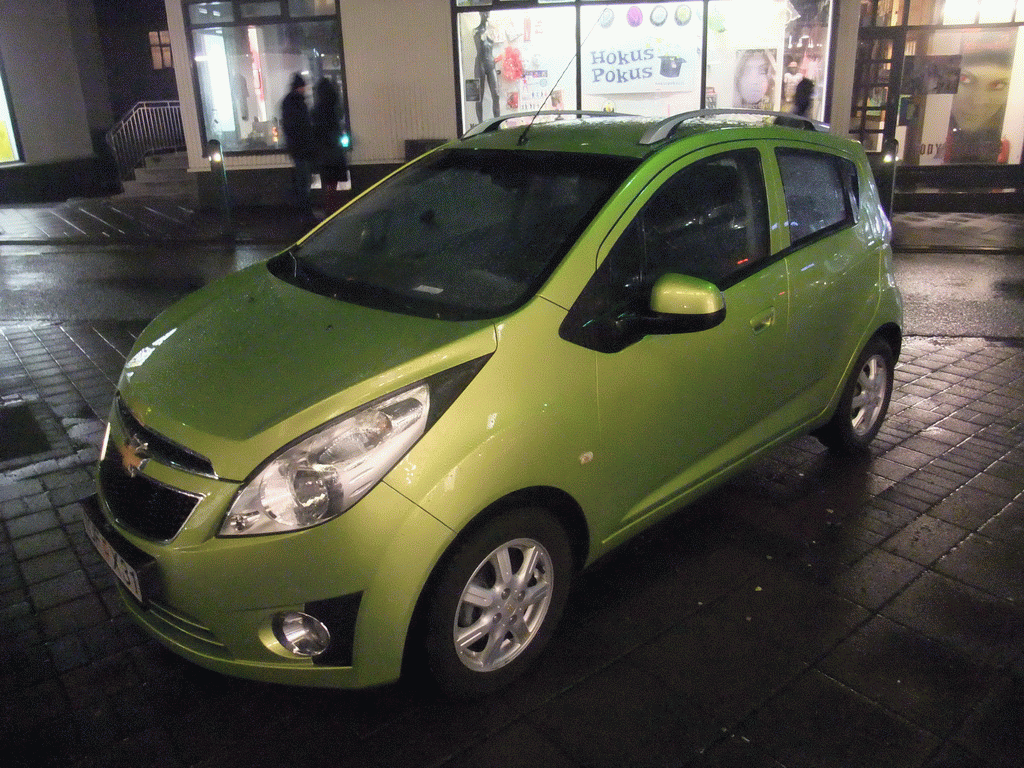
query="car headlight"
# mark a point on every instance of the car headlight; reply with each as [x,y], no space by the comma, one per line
[326,473]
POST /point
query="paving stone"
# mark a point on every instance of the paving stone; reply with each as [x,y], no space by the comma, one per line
[20,490]
[1008,525]
[998,486]
[32,523]
[820,722]
[989,565]
[637,731]
[48,566]
[987,628]
[520,744]
[13,508]
[73,616]
[925,540]
[927,683]
[995,731]
[720,661]
[968,507]
[802,617]
[876,578]
[61,589]
[39,544]
[67,653]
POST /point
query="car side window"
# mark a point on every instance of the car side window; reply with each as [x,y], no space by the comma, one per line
[822,193]
[708,221]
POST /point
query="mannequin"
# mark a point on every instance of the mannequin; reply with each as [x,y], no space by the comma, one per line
[485,67]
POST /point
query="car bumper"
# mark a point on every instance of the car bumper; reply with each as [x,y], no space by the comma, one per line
[213,600]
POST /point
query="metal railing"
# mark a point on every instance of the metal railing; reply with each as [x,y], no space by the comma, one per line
[148,128]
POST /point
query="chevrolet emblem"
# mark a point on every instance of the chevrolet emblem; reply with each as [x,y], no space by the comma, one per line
[134,455]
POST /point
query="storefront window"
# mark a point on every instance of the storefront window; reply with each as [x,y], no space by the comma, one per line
[961,91]
[758,51]
[8,144]
[257,10]
[211,13]
[516,60]
[885,13]
[243,69]
[889,13]
[640,58]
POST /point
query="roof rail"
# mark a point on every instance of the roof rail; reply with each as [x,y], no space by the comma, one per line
[667,127]
[494,123]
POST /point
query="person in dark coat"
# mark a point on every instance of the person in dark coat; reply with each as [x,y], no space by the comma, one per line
[803,97]
[331,161]
[298,137]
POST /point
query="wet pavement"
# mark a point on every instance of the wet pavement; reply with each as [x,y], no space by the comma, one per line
[815,611]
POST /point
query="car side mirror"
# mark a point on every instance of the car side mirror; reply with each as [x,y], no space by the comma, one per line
[683,304]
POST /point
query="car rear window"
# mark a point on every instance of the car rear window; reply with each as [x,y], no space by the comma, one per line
[820,193]
[461,234]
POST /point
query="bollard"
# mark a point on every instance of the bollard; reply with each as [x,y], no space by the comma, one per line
[890,161]
[220,176]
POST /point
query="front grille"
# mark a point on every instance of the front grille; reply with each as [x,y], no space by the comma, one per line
[163,450]
[151,509]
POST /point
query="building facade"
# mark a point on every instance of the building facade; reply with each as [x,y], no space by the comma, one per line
[54,105]
[430,69]
[941,77]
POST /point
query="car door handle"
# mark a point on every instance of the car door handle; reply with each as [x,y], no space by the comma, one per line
[762,322]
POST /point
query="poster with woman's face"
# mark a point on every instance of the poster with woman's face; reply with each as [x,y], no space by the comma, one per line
[755,79]
[979,104]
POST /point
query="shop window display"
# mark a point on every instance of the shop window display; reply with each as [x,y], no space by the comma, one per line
[243,71]
[640,58]
[759,51]
[959,86]
[516,60]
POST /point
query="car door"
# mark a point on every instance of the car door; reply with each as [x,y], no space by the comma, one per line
[676,408]
[834,269]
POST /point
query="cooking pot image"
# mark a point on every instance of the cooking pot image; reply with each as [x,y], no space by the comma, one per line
[671,65]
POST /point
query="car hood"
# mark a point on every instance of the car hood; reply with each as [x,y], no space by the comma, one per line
[242,367]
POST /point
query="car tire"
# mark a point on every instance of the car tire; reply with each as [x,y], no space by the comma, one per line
[864,402]
[496,602]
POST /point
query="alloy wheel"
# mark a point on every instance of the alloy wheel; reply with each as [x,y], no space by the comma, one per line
[503,605]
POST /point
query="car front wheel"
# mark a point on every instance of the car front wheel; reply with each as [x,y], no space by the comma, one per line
[496,602]
[864,402]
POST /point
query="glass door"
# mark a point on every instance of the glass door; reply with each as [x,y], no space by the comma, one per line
[876,87]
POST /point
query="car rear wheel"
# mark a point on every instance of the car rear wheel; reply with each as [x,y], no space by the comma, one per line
[496,602]
[864,402]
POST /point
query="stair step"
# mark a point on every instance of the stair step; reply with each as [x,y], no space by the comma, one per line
[167,160]
[185,187]
[158,174]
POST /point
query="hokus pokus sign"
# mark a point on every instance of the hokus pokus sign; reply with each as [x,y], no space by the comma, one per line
[634,54]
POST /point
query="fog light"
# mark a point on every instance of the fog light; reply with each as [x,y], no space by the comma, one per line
[301,634]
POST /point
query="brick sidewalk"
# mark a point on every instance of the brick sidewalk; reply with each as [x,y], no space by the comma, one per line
[815,611]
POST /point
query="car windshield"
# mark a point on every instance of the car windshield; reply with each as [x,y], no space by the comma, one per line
[462,234]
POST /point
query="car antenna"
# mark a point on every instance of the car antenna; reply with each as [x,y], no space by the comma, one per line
[526,130]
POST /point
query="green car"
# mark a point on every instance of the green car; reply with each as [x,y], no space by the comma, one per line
[393,445]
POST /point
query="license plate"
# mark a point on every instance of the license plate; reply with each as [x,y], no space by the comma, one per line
[125,572]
